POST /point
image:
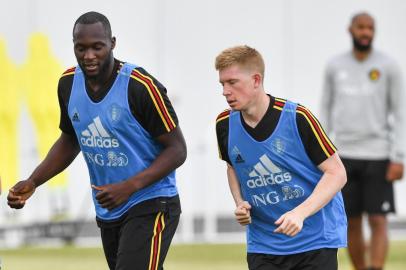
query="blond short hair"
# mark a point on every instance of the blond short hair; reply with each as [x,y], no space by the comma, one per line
[244,56]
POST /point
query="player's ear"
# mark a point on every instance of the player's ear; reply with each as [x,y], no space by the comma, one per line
[350,30]
[257,79]
[113,42]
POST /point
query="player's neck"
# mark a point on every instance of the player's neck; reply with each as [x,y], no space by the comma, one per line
[361,55]
[256,111]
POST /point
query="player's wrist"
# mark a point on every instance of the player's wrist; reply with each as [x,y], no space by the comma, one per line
[130,185]
[238,203]
[302,213]
[32,182]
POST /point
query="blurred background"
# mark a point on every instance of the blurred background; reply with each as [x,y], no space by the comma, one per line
[176,41]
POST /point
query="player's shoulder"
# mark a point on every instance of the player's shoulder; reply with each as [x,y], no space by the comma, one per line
[305,115]
[139,73]
[279,103]
[340,59]
[302,108]
[385,59]
[69,72]
[223,116]
[143,82]
[66,78]
[382,55]
[222,121]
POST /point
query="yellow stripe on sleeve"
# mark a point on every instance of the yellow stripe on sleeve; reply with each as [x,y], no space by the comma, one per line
[315,133]
[166,112]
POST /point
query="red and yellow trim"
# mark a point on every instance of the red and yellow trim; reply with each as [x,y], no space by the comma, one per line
[156,98]
[224,115]
[325,143]
[279,103]
[156,241]
[69,71]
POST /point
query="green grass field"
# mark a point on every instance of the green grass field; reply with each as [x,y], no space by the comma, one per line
[180,257]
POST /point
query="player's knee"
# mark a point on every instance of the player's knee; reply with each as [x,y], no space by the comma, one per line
[377,221]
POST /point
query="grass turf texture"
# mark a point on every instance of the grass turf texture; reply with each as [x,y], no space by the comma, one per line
[180,257]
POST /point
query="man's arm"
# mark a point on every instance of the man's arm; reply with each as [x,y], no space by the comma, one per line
[242,211]
[397,110]
[172,156]
[326,100]
[333,179]
[60,156]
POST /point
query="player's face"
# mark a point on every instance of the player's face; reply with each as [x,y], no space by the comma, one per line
[239,87]
[362,31]
[93,49]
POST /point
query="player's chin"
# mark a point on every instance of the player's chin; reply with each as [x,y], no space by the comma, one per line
[92,75]
[235,107]
[16,205]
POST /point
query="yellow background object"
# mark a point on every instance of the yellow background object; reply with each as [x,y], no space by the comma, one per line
[10,97]
[34,85]
[39,79]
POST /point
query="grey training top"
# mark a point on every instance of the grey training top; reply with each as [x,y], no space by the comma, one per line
[362,107]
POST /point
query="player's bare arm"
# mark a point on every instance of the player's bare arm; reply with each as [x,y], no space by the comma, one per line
[60,156]
[395,171]
[242,210]
[333,179]
[172,156]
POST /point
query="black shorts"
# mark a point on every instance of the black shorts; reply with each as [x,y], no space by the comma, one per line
[367,189]
[319,259]
[141,238]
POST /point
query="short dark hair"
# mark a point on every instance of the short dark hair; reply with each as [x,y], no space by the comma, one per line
[360,14]
[92,17]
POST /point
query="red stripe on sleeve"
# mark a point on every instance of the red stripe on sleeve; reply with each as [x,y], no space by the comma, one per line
[316,126]
[159,101]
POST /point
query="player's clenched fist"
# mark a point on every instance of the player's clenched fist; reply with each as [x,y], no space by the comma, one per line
[290,223]
[19,193]
[242,213]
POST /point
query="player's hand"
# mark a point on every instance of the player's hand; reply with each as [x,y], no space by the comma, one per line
[19,194]
[242,213]
[112,195]
[290,223]
[394,171]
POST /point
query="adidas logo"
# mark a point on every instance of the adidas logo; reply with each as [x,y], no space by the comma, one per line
[96,136]
[239,159]
[75,117]
[267,173]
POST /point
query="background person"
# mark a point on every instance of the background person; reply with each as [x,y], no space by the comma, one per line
[362,111]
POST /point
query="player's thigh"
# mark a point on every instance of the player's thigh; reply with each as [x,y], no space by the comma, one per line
[353,190]
[378,192]
[110,241]
[259,261]
[320,259]
[145,240]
